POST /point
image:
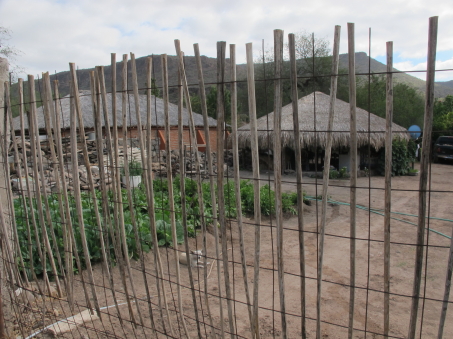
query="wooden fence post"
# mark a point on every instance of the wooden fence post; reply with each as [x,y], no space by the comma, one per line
[4,308]
[424,172]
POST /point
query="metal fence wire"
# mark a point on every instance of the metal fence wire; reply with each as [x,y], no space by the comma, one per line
[126,213]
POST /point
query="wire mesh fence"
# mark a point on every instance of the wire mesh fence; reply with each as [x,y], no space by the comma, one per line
[127,213]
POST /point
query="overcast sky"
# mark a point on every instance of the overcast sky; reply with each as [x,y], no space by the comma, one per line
[52,33]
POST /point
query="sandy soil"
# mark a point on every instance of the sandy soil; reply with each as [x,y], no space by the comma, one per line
[335,290]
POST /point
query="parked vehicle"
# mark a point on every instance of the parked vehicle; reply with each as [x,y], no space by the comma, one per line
[443,149]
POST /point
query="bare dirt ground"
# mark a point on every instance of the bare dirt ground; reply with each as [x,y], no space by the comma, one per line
[335,292]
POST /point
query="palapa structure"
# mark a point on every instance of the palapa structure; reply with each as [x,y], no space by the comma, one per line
[313,121]
[317,105]
[157,118]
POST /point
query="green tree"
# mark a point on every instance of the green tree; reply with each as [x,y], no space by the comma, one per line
[195,102]
[443,106]
[443,117]
[211,103]
[10,52]
[371,94]
[408,104]
[314,62]
[154,89]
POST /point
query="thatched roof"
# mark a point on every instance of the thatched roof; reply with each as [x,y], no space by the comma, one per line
[307,112]
[88,119]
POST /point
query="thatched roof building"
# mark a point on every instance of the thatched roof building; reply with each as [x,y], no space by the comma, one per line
[157,119]
[315,107]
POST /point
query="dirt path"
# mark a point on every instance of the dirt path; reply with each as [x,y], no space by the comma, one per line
[335,293]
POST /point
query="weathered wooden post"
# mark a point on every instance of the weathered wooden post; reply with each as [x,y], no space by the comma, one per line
[4,307]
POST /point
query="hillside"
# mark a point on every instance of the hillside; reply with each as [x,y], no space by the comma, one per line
[364,63]
[209,65]
[446,83]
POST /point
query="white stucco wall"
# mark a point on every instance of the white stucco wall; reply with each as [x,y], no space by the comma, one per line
[345,161]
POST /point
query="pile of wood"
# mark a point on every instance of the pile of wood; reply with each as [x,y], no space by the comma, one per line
[48,179]
[30,171]
[159,164]
[133,153]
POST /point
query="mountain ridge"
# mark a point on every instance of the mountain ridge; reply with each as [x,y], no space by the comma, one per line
[209,65]
[441,89]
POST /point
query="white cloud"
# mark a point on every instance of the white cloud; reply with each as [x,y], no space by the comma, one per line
[442,68]
[52,33]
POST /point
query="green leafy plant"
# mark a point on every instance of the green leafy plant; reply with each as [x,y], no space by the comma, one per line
[230,199]
[139,207]
[334,174]
[135,169]
[343,172]
[367,171]
[412,172]
[267,199]
[247,196]
[401,158]
[288,203]
[411,149]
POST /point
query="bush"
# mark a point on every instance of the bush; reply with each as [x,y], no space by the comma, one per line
[288,203]
[334,174]
[341,174]
[411,149]
[247,196]
[230,199]
[344,172]
[402,156]
[267,199]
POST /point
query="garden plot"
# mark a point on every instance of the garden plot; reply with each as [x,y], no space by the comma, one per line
[335,297]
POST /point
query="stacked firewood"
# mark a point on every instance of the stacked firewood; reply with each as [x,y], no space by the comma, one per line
[159,164]
[48,179]
[45,175]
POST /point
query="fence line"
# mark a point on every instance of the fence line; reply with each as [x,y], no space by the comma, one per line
[72,204]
